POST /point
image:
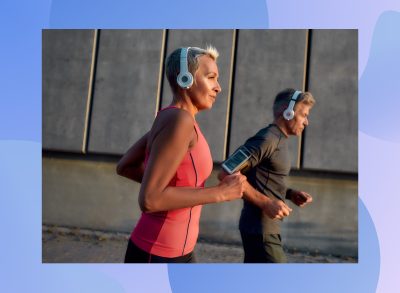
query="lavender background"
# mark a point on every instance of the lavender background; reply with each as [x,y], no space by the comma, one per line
[20,145]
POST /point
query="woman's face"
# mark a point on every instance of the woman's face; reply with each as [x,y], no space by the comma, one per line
[205,86]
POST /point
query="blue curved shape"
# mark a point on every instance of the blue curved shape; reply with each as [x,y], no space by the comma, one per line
[379,91]
[20,69]
[158,14]
[361,277]
[20,223]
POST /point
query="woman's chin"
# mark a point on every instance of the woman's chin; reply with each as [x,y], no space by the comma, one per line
[207,106]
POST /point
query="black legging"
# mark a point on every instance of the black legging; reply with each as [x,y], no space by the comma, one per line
[136,255]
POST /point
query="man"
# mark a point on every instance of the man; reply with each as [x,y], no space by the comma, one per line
[266,171]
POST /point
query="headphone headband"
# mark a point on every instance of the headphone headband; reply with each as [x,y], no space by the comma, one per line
[184,78]
[288,114]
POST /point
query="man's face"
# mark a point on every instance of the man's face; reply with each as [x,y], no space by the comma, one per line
[300,120]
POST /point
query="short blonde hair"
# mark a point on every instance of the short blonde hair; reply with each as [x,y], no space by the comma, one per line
[172,66]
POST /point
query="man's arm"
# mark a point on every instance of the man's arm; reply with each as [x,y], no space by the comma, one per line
[299,198]
[273,208]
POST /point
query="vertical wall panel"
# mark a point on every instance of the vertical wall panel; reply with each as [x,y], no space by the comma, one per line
[212,122]
[267,62]
[67,57]
[126,85]
[331,138]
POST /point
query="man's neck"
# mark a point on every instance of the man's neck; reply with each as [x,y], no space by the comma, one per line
[281,125]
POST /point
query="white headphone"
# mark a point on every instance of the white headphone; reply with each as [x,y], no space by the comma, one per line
[288,114]
[185,78]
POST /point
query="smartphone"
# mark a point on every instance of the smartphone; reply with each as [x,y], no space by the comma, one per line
[236,161]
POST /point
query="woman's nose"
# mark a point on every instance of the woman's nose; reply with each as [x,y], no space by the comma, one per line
[218,88]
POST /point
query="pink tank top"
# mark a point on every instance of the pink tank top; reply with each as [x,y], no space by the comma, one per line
[174,233]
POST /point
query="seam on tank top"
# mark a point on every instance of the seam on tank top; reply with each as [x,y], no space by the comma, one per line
[197,137]
[187,231]
[197,134]
[190,212]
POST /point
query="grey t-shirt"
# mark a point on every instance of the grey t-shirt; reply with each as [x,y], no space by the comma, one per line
[269,165]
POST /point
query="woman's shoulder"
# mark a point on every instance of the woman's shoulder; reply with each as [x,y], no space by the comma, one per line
[172,123]
[174,117]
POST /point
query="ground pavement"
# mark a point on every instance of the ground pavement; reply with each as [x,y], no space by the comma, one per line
[74,245]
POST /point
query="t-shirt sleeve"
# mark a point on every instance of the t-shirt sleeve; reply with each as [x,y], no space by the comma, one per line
[259,147]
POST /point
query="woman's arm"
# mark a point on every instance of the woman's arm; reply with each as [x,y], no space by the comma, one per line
[131,164]
[168,148]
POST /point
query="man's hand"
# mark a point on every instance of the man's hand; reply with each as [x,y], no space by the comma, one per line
[276,209]
[300,198]
[273,208]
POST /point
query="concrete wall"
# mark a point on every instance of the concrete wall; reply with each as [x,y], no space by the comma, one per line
[67,62]
[331,140]
[125,97]
[84,193]
[128,87]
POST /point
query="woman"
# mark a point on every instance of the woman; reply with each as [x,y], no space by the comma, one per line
[172,162]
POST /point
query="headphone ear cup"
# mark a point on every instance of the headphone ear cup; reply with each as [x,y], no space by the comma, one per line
[288,114]
[185,80]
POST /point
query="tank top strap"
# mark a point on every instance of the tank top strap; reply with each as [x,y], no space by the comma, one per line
[196,126]
[166,108]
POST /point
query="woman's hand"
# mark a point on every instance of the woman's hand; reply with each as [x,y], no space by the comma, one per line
[233,186]
[131,164]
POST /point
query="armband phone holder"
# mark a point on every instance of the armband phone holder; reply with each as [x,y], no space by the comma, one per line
[237,161]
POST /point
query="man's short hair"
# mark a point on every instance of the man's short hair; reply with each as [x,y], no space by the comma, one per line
[282,101]
[172,66]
